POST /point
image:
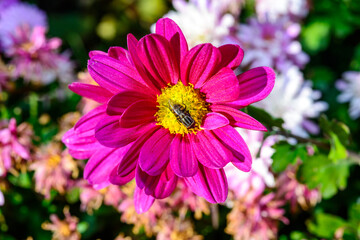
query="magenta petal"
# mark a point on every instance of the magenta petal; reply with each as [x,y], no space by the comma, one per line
[214,120]
[91,119]
[130,159]
[20,150]
[210,184]
[119,102]
[96,52]
[115,75]
[120,53]
[160,186]
[110,134]
[157,57]
[234,142]
[115,179]
[222,87]
[145,75]
[199,64]
[98,168]
[171,31]
[182,157]
[93,92]
[154,154]
[142,201]
[255,85]
[238,118]
[138,113]
[81,145]
[231,56]
[209,151]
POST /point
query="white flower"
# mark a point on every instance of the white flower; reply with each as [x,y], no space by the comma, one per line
[293,100]
[350,88]
[201,22]
[260,176]
[272,10]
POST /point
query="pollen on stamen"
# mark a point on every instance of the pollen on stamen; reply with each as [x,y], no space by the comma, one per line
[191,99]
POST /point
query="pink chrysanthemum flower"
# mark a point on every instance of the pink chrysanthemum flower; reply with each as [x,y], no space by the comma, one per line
[167,113]
[14,142]
[36,58]
[297,194]
[256,218]
[91,199]
[63,229]
[53,169]
[14,15]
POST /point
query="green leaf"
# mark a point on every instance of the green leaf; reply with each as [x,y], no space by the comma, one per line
[73,195]
[337,151]
[23,180]
[286,154]
[316,36]
[263,117]
[340,129]
[325,225]
[321,172]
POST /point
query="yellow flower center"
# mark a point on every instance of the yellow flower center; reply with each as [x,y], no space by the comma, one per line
[181,108]
[54,160]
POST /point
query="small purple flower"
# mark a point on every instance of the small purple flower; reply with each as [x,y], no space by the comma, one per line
[19,15]
[349,86]
[2,199]
[4,4]
[270,44]
[10,146]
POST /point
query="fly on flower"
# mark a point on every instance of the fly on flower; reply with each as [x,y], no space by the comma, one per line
[167,113]
[182,115]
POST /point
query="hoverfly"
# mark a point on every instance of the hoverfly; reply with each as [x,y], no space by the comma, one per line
[182,115]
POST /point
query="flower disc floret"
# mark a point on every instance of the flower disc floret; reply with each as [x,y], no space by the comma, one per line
[186,96]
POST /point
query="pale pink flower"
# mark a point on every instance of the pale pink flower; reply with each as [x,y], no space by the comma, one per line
[91,199]
[256,218]
[170,227]
[36,59]
[63,229]
[14,143]
[53,169]
[2,199]
[297,194]
[14,15]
